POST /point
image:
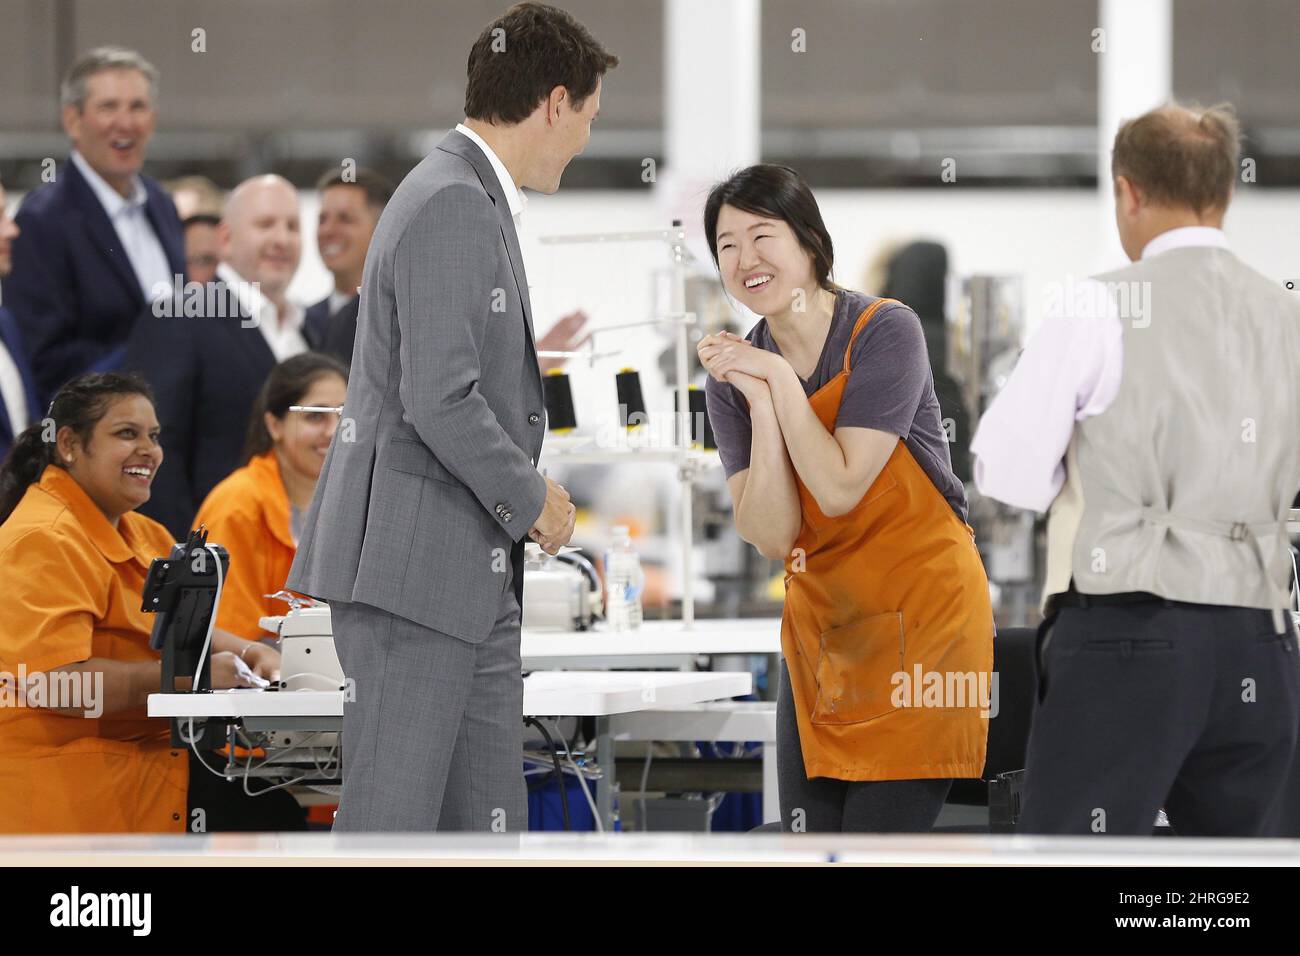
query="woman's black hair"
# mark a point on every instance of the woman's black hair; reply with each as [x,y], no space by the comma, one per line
[286,385]
[79,405]
[775,192]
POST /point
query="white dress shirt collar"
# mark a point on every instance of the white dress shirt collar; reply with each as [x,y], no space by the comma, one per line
[283,334]
[129,217]
[112,200]
[338,300]
[13,393]
[515,197]
[1183,237]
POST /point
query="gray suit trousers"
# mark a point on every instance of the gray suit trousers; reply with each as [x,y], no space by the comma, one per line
[403,770]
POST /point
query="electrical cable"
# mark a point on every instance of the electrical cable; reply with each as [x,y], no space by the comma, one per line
[645,779]
[248,767]
[203,653]
[559,772]
[212,621]
[582,782]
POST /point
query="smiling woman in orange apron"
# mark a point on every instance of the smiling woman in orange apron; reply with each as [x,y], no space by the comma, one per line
[838,465]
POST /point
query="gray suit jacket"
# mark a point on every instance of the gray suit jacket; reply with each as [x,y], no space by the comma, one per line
[431,485]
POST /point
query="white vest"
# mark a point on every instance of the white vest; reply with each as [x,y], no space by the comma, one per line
[1181,486]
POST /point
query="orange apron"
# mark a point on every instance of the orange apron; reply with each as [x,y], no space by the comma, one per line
[887,629]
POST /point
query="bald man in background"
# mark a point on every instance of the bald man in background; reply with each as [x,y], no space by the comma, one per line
[206,352]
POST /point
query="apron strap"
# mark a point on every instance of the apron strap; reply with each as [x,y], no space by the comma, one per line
[863,319]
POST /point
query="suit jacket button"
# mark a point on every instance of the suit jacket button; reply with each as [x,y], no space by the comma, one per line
[534,418]
[506,517]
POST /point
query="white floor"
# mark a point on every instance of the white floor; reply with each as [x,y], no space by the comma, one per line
[581,848]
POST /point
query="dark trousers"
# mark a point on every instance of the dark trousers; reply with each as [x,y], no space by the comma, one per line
[1192,708]
[826,805]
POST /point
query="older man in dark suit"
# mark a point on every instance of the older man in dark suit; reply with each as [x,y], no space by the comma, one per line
[100,240]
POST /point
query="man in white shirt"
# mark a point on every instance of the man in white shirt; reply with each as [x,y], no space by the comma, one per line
[207,356]
[1156,414]
[350,207]
[99,240]
[260,237]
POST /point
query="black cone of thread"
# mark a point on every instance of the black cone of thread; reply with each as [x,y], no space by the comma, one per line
[699,413]
[557,393]
[631,405]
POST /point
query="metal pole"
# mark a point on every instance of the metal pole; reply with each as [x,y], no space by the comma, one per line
[606,782]
[684,477]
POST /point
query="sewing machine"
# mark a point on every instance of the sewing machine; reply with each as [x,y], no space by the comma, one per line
[561,591]
[308,660]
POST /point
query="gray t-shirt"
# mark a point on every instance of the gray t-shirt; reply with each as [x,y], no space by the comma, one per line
[890,388]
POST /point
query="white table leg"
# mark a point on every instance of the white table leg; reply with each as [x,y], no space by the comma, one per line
[605,784]
[771,801]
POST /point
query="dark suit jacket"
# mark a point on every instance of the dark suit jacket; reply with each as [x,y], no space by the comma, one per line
[12,340]
[333,334]
[315,320]
[72,288]
[206,372]
[341,333]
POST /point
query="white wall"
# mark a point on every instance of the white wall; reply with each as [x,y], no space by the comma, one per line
[1043,235]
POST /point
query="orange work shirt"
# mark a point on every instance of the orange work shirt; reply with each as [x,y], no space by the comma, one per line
[248,514]
[72,591]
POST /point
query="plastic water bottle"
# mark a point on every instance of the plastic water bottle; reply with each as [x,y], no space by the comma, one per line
[624,581]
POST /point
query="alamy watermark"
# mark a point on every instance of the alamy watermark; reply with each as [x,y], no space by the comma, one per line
[945,689]
[77,908]
[207,300]
[1129,301]
[78,690]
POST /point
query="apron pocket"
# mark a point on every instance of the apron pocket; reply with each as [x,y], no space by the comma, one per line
[856,668]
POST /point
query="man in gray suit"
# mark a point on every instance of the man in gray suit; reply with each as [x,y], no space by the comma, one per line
[415,534]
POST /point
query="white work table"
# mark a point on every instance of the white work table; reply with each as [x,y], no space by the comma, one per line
[598,694]
[546,693]
[653,644]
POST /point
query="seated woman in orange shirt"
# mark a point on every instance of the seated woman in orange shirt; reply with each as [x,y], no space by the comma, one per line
[255,513]
[77,752]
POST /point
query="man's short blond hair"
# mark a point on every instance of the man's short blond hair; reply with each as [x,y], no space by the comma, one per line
[1181,156]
